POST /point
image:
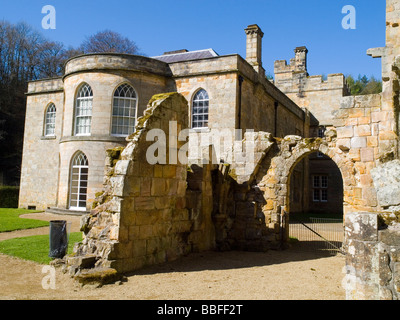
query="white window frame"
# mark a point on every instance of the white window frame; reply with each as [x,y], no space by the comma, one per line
[320,188]
[125,94]
[50,121]
[205,100]
[83,111]
[81,164]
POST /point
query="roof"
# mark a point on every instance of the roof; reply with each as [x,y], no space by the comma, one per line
[184,55]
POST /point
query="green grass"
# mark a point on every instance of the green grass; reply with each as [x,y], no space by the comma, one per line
[35,248]
[10,220]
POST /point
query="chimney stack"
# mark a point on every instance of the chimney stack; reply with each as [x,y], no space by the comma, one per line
[300,59]
[254,46]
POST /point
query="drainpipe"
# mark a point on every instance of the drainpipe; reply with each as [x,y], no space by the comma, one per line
[240,78]
[276,104]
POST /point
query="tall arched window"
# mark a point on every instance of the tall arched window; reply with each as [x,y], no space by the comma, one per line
[83,111]
[200,109]
[124,111]
[50,121]
[79,182]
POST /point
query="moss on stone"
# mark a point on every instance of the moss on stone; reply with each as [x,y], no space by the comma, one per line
[233,174]
[387,219]
[99,276]
[115,155]
[99,194]
[161,96]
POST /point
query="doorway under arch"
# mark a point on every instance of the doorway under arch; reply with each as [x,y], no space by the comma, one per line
[315,204]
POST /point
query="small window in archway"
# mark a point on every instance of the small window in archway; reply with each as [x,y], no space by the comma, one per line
[50,121]
[321,134]
[320,188]
[124,111]
[200,109]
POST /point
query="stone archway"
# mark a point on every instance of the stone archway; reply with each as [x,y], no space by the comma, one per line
[291,150]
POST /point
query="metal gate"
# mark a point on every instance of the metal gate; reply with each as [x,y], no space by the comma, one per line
[319,234]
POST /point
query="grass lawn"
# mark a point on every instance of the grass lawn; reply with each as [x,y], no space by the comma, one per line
[10,220]
[35,248]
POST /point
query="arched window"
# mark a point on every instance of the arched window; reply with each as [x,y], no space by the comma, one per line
[124,111]
[83,111]
[79,182]
[50,121]
[200,109]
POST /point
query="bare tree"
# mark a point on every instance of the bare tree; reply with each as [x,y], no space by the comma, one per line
[108,41]
[25,55]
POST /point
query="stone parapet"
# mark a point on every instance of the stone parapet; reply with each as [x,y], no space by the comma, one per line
[114,62]
[45,86]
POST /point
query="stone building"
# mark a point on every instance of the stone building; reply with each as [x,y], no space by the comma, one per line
[89,133]
[72,121]
[319,189]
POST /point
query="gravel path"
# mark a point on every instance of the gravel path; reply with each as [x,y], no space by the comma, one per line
[293,274]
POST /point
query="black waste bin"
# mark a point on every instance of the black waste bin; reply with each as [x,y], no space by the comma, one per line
[58,239]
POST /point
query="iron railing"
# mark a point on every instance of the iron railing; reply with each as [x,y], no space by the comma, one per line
[319,234]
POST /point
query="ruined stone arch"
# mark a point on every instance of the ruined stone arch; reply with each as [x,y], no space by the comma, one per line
[305,148]
[275,172]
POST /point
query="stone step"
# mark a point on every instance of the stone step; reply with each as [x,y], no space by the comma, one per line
[60,211]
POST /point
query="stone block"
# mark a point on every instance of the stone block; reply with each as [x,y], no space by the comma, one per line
[158,171]
[97,276]
[356,113]
[133,232]
[144,203]
[390,238]
[369,195]
[158,187]
[354,154]
[145,186]
[361,226]
[358,142]
[169,172]
[364,120]
[343,144]
[122,167]
[372,141]
[386,178]
[362,130]
[145,231]
[345,132]
[367,154]
[162,202]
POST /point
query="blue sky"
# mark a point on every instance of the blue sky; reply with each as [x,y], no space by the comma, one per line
[157,26]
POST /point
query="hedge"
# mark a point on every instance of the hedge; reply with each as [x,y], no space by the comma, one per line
[9,197]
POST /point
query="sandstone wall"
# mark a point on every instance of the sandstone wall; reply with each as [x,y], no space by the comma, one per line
[39,173]
[142,217]
[372,269]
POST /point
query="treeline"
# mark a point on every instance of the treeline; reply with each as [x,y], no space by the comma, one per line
[363,85]
[26,55]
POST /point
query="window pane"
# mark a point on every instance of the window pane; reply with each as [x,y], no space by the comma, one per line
[83,110]
[316,182]
[50,122]
[124,111]
[324,182]
[200,109]
[324,195]
[316,195]
[79,178]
